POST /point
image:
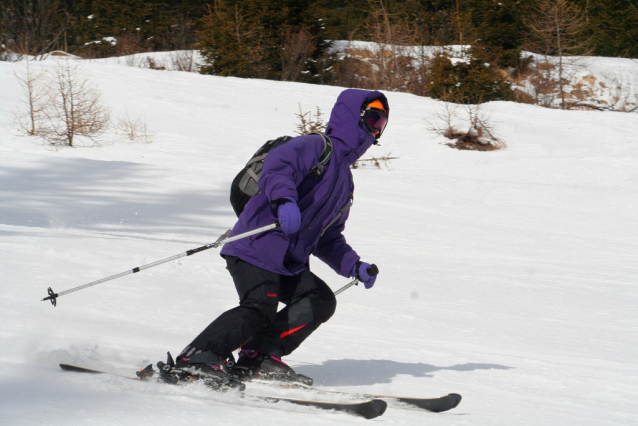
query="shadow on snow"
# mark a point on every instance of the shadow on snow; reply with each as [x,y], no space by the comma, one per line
[356,372]
[105,196]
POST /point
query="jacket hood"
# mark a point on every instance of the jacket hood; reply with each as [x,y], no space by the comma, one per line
[345,123]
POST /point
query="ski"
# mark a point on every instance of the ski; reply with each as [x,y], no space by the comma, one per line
[78,369]
[435,404]
[370,408]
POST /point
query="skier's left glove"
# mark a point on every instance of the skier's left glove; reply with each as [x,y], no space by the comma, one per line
[365,272]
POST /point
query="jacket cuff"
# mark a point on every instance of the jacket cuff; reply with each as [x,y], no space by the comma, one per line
[279,201]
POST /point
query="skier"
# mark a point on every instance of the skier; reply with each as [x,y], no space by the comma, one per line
[273,267]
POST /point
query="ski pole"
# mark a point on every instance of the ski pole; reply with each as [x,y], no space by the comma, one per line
[372,270]
[347,286]
[53,296]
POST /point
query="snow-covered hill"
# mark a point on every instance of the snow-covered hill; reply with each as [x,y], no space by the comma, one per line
[589,83]
[507,276]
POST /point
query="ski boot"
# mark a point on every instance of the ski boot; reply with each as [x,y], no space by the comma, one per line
[211,372]
[256,365]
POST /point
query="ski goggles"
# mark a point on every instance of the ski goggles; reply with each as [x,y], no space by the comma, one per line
[375,120]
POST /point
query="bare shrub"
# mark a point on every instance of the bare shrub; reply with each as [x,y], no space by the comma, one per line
[523,97]
[384,67]
[134,129]
[392,63]
[152,64]
[308,123]
[556,28]
[295,53]
[391,60]
[374,161]
[135,61]
[179,60]
[74,106]
[141,60]
[623,97]
[540,83]
[30,115]
[444,118]
[468,126]
[184,60]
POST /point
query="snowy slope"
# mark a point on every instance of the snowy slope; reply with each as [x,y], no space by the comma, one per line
[507,276]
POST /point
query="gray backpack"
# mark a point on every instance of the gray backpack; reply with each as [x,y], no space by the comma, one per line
[244,186]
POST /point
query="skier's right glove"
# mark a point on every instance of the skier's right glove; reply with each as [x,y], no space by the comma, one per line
[365,272]
[288,214]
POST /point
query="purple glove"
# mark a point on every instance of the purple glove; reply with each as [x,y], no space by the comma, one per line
[365,272]
[289,215]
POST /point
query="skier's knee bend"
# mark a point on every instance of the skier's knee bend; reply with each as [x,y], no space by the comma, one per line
[324,306]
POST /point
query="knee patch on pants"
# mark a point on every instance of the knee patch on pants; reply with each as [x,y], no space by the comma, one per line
[324,305]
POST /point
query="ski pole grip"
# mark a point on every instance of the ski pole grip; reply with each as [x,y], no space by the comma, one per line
[373,270]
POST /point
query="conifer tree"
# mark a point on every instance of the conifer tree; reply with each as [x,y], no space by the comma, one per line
[467,82]
[498,29]
[612,27]
[246,38]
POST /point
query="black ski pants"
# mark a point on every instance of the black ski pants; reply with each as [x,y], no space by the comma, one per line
[256,324]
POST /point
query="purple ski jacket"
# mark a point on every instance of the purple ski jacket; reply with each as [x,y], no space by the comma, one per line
[321,199]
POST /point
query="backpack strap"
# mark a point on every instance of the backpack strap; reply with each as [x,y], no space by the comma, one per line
[325,154]
[338,216]
[260,156]
[249,169]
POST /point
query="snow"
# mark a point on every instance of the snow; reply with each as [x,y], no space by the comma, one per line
[506,276]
